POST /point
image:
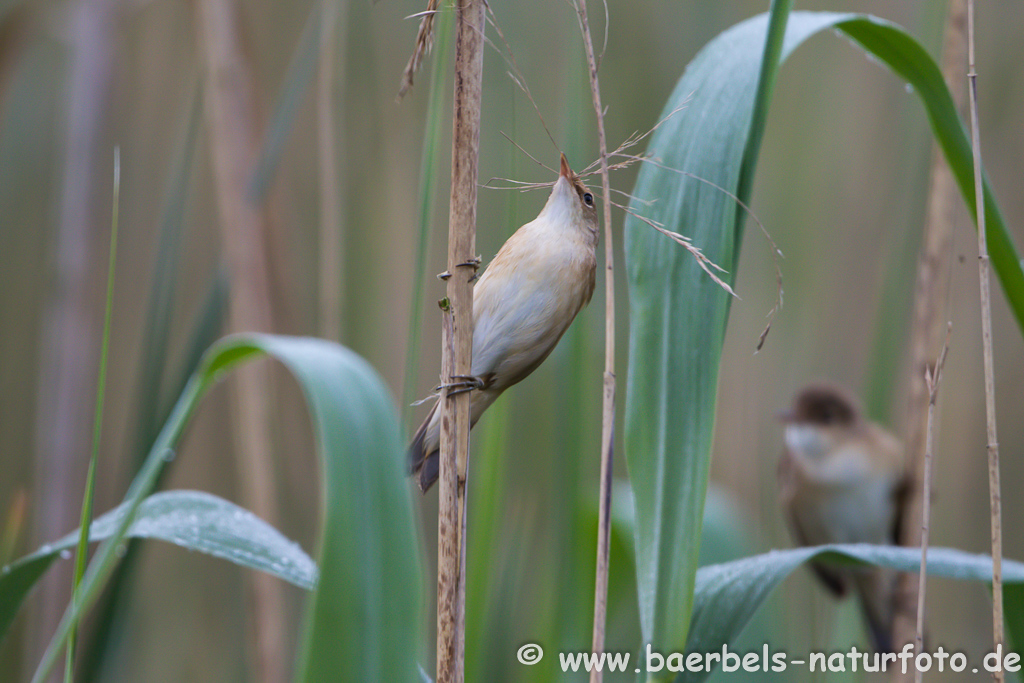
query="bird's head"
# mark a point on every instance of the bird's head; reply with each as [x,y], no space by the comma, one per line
[823,405]
[571,203]
[822,417]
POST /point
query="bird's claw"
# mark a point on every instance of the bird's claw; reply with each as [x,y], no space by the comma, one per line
[473,263]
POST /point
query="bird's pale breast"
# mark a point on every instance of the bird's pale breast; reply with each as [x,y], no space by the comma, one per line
[525,300]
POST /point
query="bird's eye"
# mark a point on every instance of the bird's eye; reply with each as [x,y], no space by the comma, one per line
[588,199]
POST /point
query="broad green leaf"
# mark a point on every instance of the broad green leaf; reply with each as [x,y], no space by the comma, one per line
[727,595]
[365,619]
[678,316]
[191,519]
[364,616]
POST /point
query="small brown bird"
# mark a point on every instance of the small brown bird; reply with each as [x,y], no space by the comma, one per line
[523,304]
[842,480]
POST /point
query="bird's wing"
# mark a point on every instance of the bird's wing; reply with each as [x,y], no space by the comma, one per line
[901,496]
[891,458]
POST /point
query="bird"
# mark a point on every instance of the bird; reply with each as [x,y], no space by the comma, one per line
[523,303]
[842,479]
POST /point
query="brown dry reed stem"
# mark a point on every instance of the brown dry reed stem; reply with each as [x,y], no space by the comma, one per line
[608,406]
[995,498]
[231,111]
[331,257]
[424,42]
[457,340]
[927,326]
[932,377]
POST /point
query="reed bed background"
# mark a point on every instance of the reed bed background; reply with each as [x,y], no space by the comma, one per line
[841,187]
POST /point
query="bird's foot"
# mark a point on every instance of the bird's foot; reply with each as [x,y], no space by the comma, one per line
[465,383]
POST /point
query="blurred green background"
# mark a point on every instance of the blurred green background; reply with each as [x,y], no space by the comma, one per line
[842,183]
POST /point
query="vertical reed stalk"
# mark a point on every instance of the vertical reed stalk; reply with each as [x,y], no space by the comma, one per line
[457,340]
[927,327]
[231,111]
[608,405]
[995,496]
[932,377]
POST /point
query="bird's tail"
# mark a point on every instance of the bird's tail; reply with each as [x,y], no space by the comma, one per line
[422,464]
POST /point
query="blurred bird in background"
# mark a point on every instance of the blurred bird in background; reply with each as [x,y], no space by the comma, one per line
[522,305]
[842,480]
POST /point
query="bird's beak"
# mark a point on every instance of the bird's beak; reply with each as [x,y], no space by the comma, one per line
[565,171]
